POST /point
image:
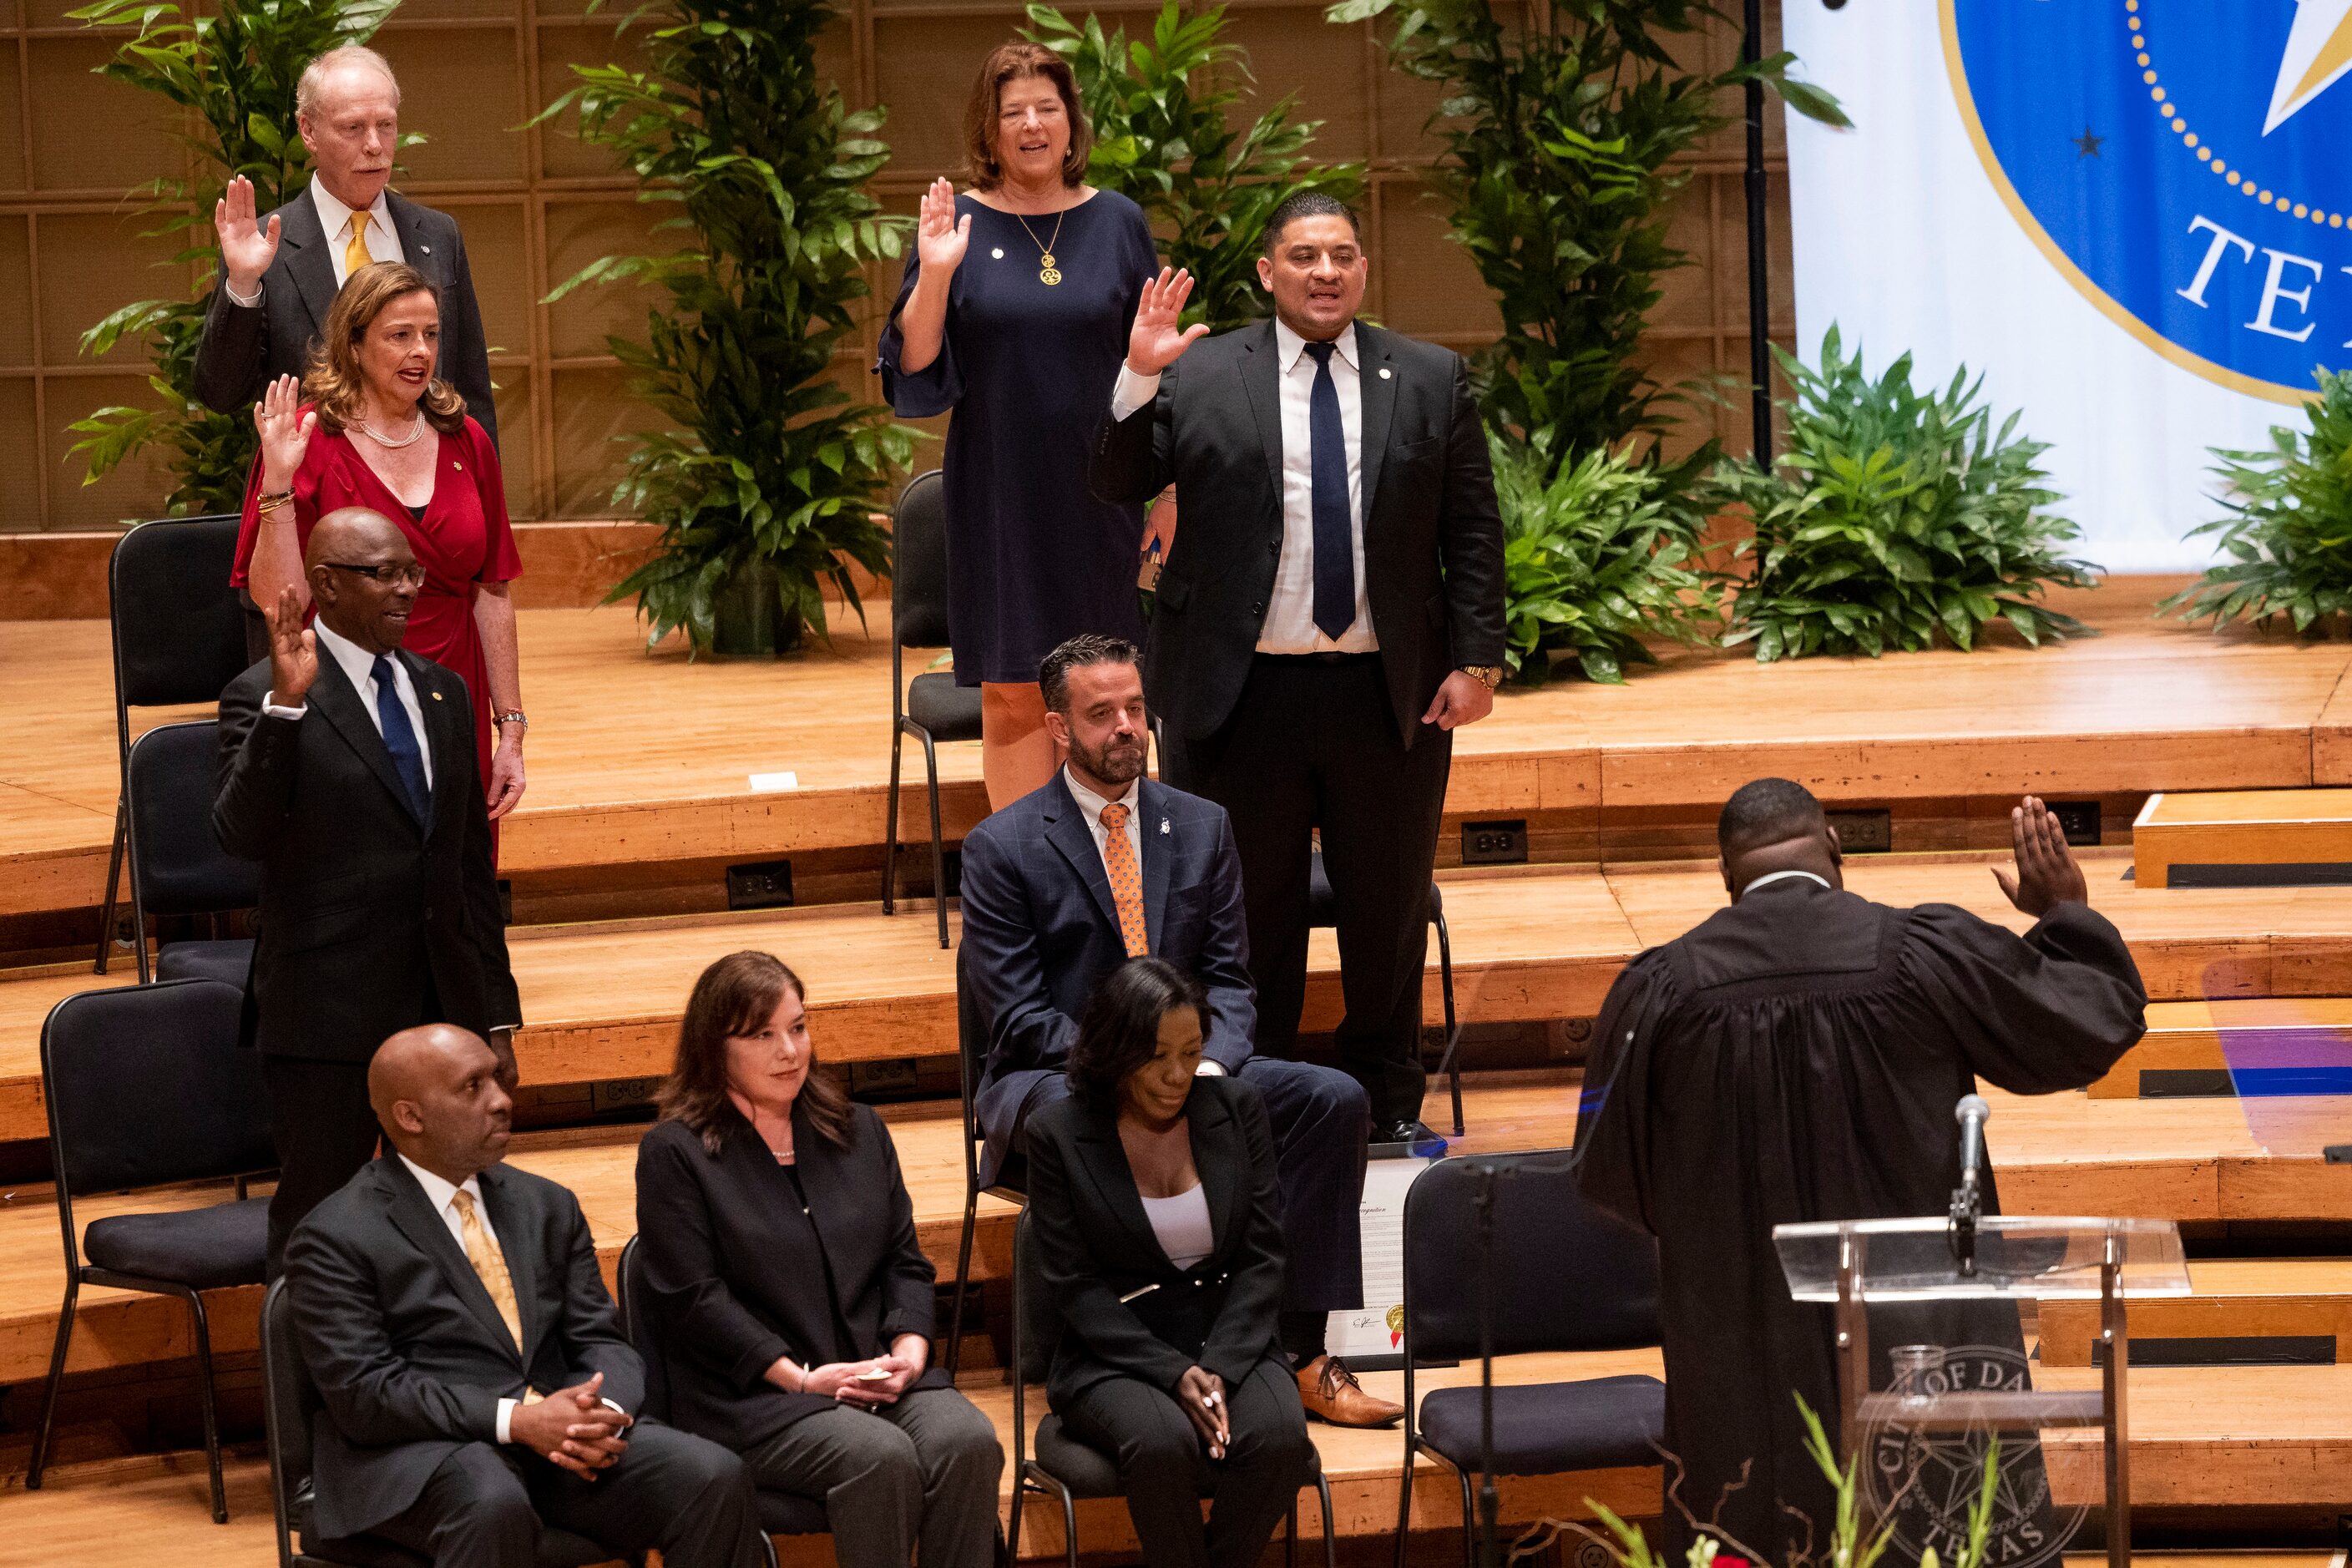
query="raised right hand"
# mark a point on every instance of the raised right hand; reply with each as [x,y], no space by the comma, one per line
[1201,1393]
[247,249]
[2046,873]
[293,650]
[1157,340]
[285,431]
[940,237]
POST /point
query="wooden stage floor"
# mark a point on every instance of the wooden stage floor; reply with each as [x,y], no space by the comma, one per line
[638,758]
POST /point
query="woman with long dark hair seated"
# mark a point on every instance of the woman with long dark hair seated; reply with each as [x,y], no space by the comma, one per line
[794,1304]
[1155,1216]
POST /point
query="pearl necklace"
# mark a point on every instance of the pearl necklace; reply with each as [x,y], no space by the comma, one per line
[414,434]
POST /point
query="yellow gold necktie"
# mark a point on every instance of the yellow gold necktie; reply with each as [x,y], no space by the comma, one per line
[490,1264]
[355,254]
[1126,880]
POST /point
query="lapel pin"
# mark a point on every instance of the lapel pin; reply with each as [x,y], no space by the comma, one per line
[426,249]
[1163,828]
[437,697]
[456,465]
[997,254]
[1386,372]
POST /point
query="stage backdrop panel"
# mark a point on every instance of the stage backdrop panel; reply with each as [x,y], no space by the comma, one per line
[2131,215]
[536,205]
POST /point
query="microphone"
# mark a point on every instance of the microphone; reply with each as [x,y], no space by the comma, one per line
[1967,1203]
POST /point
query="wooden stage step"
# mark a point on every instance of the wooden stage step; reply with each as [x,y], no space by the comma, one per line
[2280,1045]
[2057,1155]
[602,1000]
[2275,1299]
[2244,838]
[643,760]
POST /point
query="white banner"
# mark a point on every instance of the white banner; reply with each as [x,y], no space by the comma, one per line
[2130,216]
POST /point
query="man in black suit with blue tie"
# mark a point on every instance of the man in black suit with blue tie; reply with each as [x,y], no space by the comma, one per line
[347,768]
[1101,865]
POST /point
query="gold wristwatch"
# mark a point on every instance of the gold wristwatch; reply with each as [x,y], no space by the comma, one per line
[1489,675]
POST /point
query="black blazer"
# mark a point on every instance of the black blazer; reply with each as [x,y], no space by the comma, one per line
[361,906]
[1433,536]
[734,1271]
[1041,930]
[409,1355]
[243,349]
[1093,1246]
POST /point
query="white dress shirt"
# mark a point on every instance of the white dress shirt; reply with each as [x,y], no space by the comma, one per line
[1289,624]
[335,220]
[444,1199]
[360,665]
[1090,806]
[1770,877]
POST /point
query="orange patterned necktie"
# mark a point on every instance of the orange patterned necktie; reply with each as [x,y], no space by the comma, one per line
[1126,880]
[490,1263]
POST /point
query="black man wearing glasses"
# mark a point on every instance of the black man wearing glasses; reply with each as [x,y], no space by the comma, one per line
[348,769]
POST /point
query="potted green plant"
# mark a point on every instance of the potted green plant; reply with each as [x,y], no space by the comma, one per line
[766,486]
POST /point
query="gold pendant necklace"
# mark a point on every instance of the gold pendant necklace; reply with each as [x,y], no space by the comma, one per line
[1047,273]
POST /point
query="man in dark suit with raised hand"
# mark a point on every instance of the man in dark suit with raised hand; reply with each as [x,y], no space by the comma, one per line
[1100,865]
[476,1388]
[280,273]
[347,768]
[1330,611]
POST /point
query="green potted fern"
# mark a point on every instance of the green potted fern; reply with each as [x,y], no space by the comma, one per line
[2286,543]
[1894,517]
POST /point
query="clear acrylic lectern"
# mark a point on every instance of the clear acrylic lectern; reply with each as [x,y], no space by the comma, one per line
[1858,1263]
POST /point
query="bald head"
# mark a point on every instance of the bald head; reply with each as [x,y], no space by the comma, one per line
[436,1093]
[349,551]
[1775,825]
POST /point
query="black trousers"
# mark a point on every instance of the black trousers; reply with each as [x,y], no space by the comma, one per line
[1313,744]
[1165,1469]
[324,1128]
[687,1495]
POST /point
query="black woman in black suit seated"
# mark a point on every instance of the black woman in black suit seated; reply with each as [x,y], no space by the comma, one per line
[1155,1220]
[794,1304]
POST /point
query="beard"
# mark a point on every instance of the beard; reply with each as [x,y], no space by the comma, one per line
[1115,762]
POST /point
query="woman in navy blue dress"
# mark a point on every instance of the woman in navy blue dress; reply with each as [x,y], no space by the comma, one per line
[1014,314]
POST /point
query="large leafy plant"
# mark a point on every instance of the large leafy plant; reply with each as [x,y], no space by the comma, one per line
[234,70]
[1598,555]
[1562,128]
[769,481]
[2287,541]
[1893,517]
[1169,135]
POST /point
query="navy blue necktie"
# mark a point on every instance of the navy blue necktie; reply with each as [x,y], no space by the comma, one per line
[400,740]
[1335,549]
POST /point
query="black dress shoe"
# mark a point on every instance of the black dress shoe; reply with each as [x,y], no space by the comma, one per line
[1406,1130]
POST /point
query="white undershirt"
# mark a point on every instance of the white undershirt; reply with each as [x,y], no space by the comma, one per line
[1771,876]
[1181,1224]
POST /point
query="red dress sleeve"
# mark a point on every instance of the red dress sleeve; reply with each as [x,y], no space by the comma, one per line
[305,504]
[501,562]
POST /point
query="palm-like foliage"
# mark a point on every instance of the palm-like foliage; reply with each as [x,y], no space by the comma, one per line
[1894,516]
[1598,555]
[2288,540]
[1168,135]
[235,70]
[770,466]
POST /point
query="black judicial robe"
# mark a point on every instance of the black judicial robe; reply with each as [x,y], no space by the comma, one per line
[1797,1056]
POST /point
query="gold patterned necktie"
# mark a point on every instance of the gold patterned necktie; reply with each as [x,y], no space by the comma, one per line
[355,254]
[1126,880]
[490,1263]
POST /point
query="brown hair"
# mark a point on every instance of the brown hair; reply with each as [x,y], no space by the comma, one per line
[1013,62]
[734,996]
[334,381]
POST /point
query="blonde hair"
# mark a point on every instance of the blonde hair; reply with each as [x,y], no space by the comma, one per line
[334,383]
[315,74]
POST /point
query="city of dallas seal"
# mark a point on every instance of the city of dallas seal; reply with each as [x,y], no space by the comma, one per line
[1924,1478]
[2182,163]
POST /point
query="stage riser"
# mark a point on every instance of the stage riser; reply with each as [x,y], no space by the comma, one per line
[2287,836]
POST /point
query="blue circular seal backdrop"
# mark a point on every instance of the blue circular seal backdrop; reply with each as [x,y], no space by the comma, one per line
[2186,163]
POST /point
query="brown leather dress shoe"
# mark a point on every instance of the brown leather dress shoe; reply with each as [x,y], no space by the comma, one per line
[1330,1392]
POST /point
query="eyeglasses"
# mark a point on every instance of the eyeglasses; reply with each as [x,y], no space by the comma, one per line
[410,575]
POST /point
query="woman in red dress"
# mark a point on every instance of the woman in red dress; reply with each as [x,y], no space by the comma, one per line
[372,426]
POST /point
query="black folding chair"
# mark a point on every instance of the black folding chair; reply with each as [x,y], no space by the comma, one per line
[1565,1277]
[1323,911]
[179,633]
[1065,1467]
[149,1086]
[934,708]
[971,1060]
[290,1406]
[177,866]
[780,1513]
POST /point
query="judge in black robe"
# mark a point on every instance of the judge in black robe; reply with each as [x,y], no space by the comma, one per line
[1797,1056]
